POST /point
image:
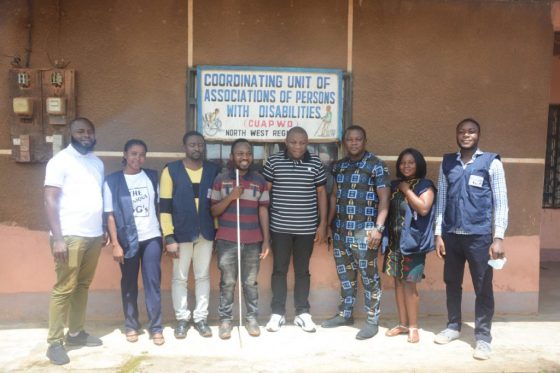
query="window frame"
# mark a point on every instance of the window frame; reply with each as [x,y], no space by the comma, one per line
[551,189]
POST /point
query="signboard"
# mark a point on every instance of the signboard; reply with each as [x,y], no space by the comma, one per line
[262,104]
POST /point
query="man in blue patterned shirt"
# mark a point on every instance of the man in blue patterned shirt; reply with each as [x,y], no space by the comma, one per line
[359,205]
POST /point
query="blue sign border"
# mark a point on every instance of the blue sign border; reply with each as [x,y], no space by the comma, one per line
[338,72]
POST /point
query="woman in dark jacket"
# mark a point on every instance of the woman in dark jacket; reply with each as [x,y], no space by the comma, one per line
[130,202]
[410,231]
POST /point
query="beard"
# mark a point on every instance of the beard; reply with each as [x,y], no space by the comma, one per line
[195,156]
[81,148]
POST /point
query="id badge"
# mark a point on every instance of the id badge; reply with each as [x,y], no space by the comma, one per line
[476,181]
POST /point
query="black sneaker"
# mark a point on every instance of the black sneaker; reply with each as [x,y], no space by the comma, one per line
[337,320]
[57,354]
[369,330]
[181,329]
[203,329]
[83,339]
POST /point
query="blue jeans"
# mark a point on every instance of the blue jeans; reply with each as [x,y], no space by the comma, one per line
[227,262]
[149,257]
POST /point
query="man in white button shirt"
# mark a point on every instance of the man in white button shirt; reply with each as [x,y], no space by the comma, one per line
[74,206]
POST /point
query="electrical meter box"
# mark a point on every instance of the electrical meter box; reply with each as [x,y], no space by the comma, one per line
[56,106]
[23,106]
[43,104]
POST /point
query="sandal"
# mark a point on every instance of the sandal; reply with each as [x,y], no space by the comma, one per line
[413,336]
[396,330]
[132,336]
[158,339]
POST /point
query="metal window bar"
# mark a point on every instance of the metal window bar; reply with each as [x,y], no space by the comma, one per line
[192,115]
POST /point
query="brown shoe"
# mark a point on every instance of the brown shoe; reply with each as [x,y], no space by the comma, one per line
[413,336]
[396,330]
[224,330]
[253,328]
[132,336]
[158,339]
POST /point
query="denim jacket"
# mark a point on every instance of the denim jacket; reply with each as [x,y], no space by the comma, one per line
[123,210]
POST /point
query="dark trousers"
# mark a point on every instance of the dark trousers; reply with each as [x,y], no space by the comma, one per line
[283,246]
[227,262]
[148,256]
[474,250]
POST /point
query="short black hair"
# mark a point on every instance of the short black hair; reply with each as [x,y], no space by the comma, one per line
[355,127]
[130,143]
[81,120]
[191,134]
[239,141]
[468,120]
[296,129]
[421,167]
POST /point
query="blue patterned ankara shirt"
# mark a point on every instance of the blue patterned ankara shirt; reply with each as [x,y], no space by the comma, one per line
[356,212]
[356,197]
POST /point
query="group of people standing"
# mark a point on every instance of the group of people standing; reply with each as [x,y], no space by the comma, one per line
[193,208]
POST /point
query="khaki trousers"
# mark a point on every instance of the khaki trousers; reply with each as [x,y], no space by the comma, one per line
[70,292]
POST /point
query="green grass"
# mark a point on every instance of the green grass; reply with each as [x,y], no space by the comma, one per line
[131,365]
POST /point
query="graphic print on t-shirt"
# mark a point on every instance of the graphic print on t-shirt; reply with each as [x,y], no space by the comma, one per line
[140,201]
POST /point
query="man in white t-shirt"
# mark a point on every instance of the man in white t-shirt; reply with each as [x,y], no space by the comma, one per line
[74,206]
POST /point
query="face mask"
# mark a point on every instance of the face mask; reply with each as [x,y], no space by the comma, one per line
[497,263]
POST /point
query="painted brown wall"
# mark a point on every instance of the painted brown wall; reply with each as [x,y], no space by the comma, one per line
[27,297]
[555,81]
[419,67]
[550,232]
[296,33]
[13,40]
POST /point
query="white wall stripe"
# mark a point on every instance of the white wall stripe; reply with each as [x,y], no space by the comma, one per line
[103,153]
[504,160]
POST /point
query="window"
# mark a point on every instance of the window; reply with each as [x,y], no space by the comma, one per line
[551,194]
[218,152]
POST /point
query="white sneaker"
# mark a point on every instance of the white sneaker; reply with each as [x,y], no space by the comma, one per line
[276,321]
[303,320]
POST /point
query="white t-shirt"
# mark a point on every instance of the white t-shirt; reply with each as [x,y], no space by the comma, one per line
[142,193]
[80,178]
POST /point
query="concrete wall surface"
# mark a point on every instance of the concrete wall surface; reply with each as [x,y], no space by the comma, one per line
[550,235]
[28,267]
[418,67]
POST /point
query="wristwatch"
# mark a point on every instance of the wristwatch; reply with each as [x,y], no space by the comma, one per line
[378,227]
[170,239]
